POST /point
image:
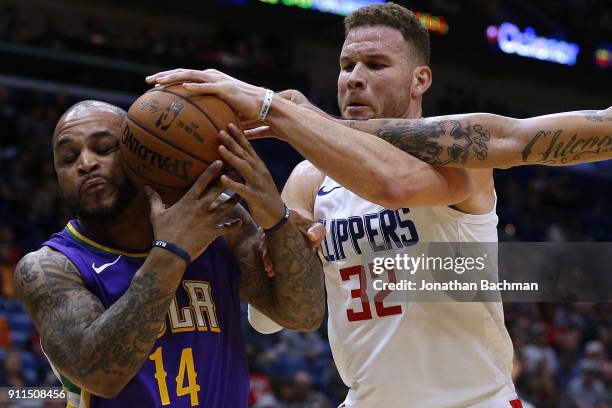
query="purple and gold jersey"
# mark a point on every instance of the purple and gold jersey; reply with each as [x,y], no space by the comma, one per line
[198,358]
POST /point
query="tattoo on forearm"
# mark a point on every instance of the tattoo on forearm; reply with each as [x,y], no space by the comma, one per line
[440,142]
[295,297]
[299,282]
[551,147]
[82,338]
[546,148]
[457,141]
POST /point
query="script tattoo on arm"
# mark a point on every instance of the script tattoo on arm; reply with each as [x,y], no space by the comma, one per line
[98,349]
[437,142]
[559,147]
[486,140]
[295,297]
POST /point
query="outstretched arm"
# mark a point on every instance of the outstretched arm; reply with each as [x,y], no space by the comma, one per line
[473,140]
[482,140]
[363,164]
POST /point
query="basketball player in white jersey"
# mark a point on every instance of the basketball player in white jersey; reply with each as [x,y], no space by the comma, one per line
[396,355]
[402,354]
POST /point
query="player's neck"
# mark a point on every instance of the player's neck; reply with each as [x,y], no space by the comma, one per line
[415,111]
[131,230]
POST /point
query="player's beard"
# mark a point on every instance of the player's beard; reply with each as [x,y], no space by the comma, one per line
[126,193]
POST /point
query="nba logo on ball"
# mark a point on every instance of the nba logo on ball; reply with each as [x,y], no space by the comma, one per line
[171,137]
[169,115]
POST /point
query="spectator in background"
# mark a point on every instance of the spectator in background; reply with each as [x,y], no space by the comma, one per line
[587,390]
[297,351]
[303,394]
[9,256]
[5,333]
[539,351]
[12,369]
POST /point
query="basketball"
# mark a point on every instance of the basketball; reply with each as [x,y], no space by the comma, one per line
[171,137]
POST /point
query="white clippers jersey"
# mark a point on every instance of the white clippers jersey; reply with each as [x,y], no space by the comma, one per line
[418,354]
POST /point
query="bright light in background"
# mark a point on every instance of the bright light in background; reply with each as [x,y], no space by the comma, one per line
[511,40]
[603,57]
[342,7]
[435,24]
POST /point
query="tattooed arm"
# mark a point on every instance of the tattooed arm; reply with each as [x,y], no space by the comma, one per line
[483,140]
[97,349]
[366,165]
[101,350]
[295,297]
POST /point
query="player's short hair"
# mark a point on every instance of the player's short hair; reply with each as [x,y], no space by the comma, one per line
[394,16]
[92,104]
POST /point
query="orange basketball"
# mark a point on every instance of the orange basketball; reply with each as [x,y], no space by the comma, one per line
[171,137]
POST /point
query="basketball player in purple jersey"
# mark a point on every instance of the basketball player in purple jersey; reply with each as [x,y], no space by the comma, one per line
[138,305]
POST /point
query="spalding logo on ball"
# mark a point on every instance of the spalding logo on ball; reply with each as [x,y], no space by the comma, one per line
[171,137]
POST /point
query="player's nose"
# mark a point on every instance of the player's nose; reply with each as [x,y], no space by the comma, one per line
[88,161]
[357,77]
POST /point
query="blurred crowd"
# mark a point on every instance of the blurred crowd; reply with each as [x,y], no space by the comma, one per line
[118,53]
[143,42]
[562,351]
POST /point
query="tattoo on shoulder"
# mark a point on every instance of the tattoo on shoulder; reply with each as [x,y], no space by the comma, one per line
[43,275]
[27,272]
[439,142]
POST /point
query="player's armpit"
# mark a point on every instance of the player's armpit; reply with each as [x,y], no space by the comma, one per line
[98,349]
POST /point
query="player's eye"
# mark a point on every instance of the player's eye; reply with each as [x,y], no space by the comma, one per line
[107,149]
[376,66]
[348,67]
[69,158]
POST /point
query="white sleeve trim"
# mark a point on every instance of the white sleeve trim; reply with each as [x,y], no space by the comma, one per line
[262,323]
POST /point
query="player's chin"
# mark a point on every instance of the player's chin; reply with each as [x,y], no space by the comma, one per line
[100,205]
[100,211]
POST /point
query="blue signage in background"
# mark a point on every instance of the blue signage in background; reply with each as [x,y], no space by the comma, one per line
[341,7]
[512,40]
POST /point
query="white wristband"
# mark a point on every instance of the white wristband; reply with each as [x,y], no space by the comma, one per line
[265,107]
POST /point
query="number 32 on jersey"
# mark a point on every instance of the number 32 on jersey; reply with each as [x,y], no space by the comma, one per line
[365,313]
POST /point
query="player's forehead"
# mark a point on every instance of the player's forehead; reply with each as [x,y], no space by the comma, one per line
[368,41]
[86,121]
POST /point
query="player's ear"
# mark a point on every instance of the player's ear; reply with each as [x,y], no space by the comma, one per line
[421,80]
